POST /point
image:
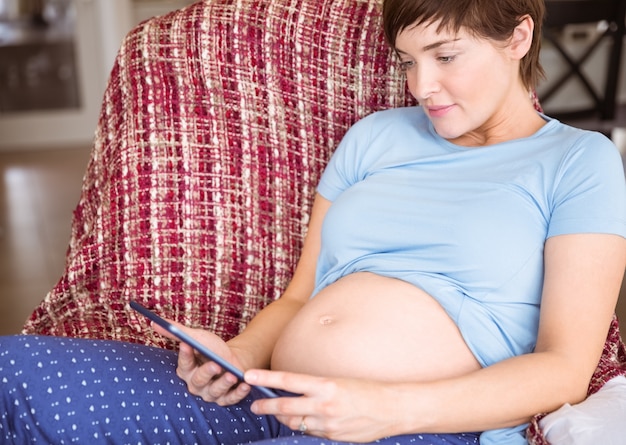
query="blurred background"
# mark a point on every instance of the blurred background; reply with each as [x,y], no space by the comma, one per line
[55,57]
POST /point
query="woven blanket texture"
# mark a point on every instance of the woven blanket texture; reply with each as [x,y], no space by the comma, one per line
[216,124]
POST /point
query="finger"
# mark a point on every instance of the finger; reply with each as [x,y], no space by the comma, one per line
[162,331]
[210,374]
[286,408]
[187,360]
[223,391]
[304,424]
[288,381]
[235,394]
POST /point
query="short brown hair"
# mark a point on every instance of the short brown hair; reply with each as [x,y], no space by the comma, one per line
[495,20]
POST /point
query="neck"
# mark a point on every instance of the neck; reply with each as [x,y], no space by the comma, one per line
[516,119]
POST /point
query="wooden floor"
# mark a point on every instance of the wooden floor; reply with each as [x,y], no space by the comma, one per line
[38,192]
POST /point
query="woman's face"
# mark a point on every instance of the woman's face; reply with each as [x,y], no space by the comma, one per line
[464,83]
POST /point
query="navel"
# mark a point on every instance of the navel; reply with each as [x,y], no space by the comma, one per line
[325,320]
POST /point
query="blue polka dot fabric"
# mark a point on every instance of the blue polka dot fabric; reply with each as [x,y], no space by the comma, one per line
[75,391]
[417,439]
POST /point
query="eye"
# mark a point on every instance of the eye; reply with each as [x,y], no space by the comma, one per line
[406,65]
[446,59]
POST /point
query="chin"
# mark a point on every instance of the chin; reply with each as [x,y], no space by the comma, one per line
[448,133]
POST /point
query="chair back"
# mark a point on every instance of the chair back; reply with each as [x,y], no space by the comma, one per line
[216,124]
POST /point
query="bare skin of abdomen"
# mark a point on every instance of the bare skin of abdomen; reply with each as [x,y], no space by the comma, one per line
[373,327]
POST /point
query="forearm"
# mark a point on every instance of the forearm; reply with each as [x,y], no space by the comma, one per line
[257,341]
[503,395]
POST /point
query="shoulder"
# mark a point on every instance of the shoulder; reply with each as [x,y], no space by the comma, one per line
[588,190]
[393,119]
[388,128]
[577,140]
[380,139]
[566,149]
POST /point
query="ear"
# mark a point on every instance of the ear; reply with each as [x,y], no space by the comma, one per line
[522,38]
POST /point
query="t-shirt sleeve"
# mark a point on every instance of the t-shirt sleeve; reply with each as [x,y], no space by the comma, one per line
[590,192]
[346,166]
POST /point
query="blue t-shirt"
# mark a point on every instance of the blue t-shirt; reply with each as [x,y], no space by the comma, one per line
[466,224]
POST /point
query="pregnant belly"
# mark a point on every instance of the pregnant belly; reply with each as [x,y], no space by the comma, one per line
[373,327]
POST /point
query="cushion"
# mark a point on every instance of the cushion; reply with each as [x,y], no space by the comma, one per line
[612,365]
[597,420]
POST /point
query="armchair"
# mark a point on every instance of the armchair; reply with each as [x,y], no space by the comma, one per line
[215,126]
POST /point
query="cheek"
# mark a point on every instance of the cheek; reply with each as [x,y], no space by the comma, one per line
[475,90]
[472,80]
[466,83]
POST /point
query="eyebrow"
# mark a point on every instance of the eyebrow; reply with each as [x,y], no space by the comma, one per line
[432,46]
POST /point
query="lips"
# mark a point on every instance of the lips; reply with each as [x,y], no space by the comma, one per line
[439,110]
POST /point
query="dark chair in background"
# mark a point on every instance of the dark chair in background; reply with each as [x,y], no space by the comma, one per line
[609,16]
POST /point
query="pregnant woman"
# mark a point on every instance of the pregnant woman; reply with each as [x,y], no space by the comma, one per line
[459,275]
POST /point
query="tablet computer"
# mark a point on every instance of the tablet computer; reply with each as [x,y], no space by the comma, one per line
[182,336]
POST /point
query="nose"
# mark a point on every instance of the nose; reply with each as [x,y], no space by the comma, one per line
[422,82]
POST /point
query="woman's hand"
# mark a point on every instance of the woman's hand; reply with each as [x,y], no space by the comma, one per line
[337,409]
[204,377]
